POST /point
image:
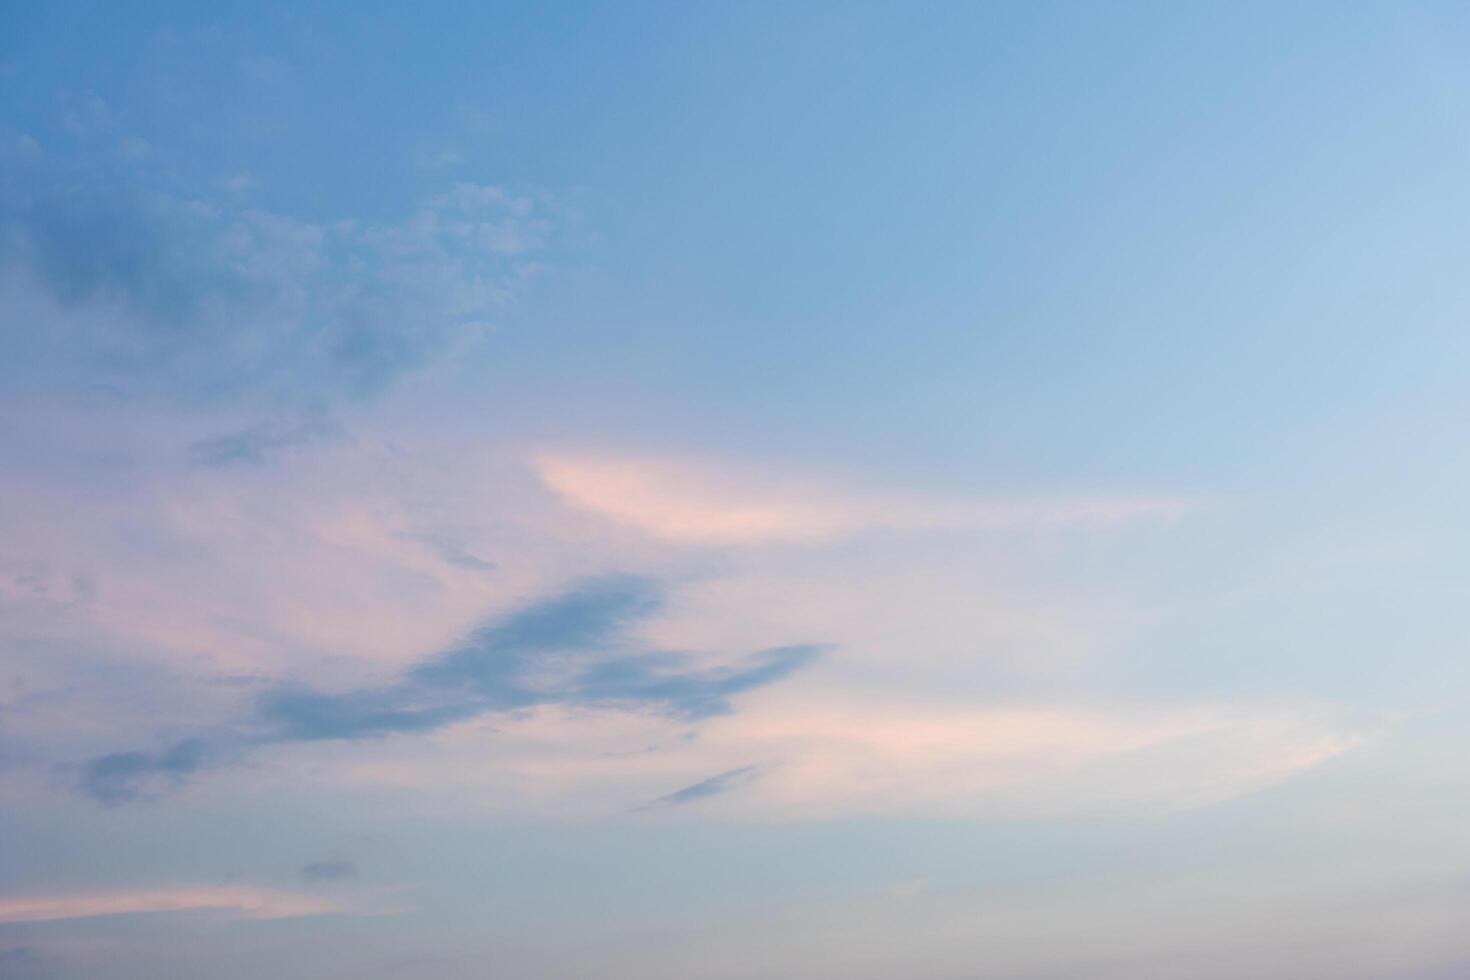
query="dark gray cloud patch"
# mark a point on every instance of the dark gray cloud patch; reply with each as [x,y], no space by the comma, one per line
[259,443]
[125,776]
[590,615]
[663,680]
[24,963]
[17,954]
[153,294]
[450,550]
[574,648]
[297,714]
[464,559]
[713,786]
[497,660]
[328,870]
[141,250]
[540,656]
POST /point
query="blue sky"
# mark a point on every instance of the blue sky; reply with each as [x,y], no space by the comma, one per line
[712,491]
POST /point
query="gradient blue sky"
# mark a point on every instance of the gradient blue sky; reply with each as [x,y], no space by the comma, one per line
[714,492]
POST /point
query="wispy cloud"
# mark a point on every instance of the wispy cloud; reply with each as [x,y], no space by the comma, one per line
[448,548]
[233,900]
[882,757]
[333,870]
[705,788]
[86,113]
[437,159]
[571,649]
[239,183]
[257,443]
[20,961]
[116,777]
[801,753]
[709,503]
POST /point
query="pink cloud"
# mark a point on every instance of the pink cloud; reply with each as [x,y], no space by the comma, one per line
[239,901]
[699,502]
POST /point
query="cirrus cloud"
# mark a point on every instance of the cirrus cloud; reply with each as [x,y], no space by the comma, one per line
[236,901]
[699,502]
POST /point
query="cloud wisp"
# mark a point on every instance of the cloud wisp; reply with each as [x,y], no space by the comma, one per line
[571,649]
[116,777]
[257,443]
[331,870]
[238,901]
[705,788]
[697,502]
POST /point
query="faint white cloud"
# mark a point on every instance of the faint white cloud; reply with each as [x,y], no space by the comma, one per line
[437,159]
[239,183]
[265,70]
[18,147]
[134,148]
[85,113]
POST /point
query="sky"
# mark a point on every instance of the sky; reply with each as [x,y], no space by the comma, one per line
[727,491]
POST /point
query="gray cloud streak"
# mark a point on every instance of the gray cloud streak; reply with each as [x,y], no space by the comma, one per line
[568,649]
[713,786]
[334,870]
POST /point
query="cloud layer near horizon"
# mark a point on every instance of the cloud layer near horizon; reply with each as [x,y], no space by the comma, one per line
[233,900]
